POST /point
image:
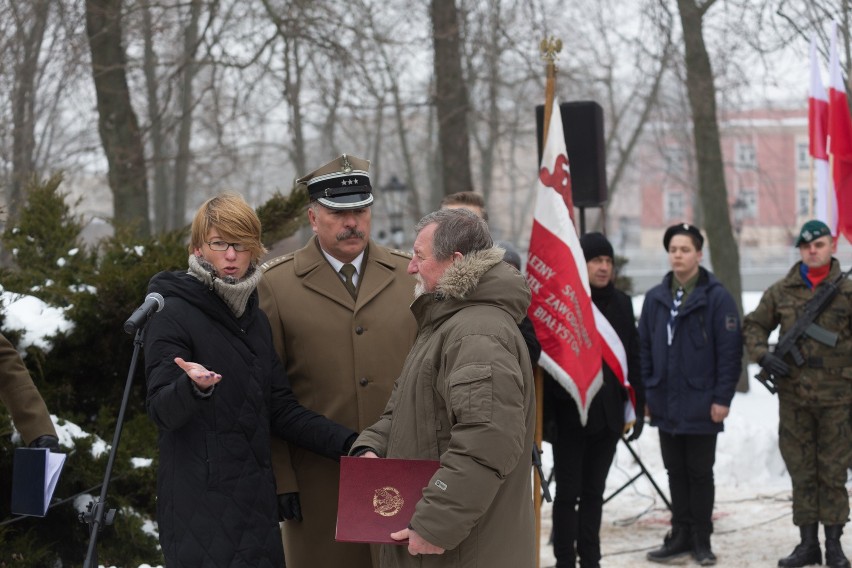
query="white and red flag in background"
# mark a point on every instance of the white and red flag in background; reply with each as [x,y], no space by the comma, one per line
[825,204]
[568,325]
[840,141]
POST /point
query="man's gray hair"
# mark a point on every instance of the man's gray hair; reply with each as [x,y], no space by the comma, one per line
[458,230]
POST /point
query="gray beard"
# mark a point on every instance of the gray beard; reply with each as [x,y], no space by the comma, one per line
[419,287]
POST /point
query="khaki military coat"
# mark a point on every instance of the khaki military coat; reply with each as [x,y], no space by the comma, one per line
[20,396]
[342,357]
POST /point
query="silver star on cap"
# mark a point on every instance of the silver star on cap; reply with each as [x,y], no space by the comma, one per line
[807,236]
[686,226]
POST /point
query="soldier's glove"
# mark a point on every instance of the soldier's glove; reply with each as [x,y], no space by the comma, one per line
[637,429]
[47,441]
[289,507]
[775,365]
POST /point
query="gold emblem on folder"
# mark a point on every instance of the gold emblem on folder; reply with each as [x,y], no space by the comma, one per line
[387,501]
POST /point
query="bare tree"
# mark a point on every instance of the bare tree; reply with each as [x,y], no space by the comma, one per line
[30,24]
[187,104]
[712,189]
[450,96]
[117,122]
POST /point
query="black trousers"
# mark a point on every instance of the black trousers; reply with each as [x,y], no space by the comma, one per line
[689,460]
[581,461]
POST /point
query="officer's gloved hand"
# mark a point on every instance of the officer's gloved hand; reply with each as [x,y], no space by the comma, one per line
[636,431]
[47,441]
[289,507]
[775,365]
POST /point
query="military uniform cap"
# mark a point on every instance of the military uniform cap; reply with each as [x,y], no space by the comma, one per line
[811,231]
[343,183]
[683,229]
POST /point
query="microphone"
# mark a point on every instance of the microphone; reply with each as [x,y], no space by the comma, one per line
[153,303]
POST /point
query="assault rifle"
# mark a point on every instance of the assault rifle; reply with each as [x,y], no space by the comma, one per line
[805,326]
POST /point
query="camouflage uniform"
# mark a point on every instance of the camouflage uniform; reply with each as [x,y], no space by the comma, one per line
[814,432]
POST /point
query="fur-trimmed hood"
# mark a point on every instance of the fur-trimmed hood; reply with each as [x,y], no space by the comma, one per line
[481,277]
[461,277]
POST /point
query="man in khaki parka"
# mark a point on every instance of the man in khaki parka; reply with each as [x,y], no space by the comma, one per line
[464,397]
[342,340]
[814,431]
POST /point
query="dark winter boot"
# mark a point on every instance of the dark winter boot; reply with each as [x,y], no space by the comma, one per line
[834,557]
[677,544]
[806,552]
[701,549]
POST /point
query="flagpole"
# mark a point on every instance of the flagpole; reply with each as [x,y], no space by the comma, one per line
[549,48]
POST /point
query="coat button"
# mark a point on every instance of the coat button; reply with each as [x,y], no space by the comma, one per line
[363,381]
[359,330]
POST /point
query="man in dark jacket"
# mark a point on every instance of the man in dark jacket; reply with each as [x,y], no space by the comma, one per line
[691,353]
[814,430]
[583,454]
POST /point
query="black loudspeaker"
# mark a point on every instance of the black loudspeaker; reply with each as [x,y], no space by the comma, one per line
[582,122]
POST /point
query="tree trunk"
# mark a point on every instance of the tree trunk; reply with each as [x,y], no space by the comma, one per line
[187,103]
[159,153]
[713,194]
[489,148]
[117,123]
[450,98]
[30,28]
[292,94]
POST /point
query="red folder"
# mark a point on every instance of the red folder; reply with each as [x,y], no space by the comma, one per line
[377,497]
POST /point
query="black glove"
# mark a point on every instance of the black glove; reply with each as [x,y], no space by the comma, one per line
[636,431]
[775,365]
[47,441]
[289,507]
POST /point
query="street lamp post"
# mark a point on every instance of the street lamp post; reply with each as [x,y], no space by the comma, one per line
[395,194]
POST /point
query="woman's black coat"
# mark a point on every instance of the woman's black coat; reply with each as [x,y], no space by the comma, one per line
[216,503]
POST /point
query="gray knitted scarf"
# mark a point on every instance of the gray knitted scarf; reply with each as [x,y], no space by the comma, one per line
[234,292]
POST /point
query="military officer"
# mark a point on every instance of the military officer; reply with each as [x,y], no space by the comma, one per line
[340,321]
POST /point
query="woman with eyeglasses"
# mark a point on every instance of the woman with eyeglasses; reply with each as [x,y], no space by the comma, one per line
[217,392]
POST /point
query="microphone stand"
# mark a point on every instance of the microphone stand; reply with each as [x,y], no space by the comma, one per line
[96,514]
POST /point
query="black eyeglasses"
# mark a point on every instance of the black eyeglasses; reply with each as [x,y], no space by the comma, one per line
[222,246]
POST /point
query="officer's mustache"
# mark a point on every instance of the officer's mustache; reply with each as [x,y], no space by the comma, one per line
[350,234]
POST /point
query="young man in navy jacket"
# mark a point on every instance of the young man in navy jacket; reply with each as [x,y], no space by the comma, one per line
[691,358]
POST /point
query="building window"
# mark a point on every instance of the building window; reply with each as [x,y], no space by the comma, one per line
[749,200]
[675,158]
[745,156]
[803,205]
[803,156]
[675,205]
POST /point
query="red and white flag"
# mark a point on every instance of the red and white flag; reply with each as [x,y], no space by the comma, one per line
[561,310]
[840,141]
[825,204]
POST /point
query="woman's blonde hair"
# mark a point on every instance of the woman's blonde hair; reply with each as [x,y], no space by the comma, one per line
[229,213]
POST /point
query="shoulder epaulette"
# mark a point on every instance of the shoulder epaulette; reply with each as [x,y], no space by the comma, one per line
[276,261]
[402,253]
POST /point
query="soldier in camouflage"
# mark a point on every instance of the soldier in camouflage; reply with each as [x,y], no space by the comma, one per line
[815,400]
